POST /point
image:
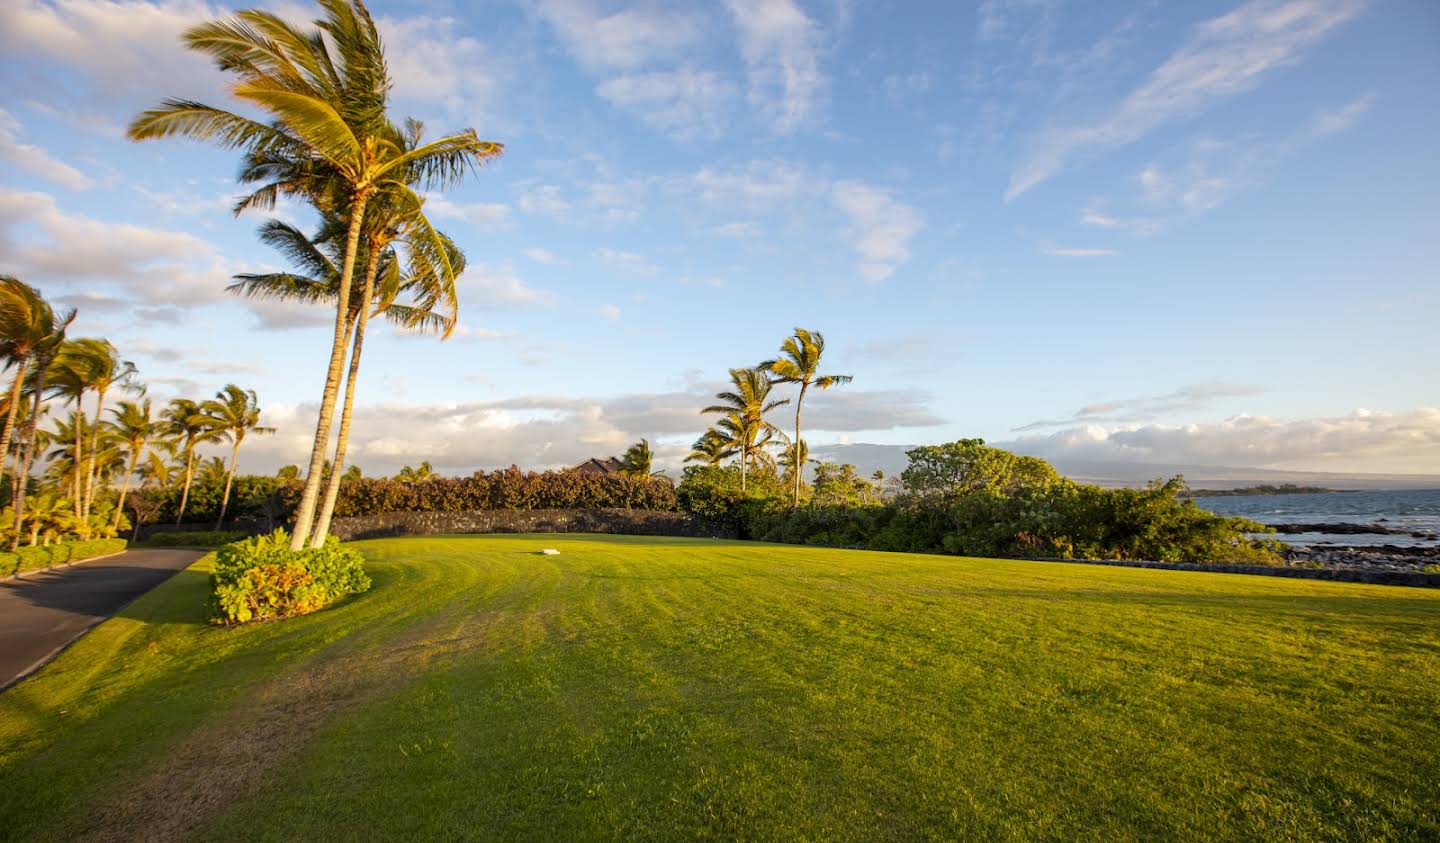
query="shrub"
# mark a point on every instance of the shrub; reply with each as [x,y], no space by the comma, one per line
[262,579]
[9,564]
[201,538]
[31,558]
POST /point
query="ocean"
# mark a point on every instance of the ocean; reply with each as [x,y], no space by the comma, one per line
[1416,510]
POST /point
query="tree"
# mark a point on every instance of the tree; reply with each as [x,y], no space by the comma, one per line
[793,458]
[415,475]
[185,420]
[288,472]
[50,329]
[969,465]
[799,363]
[232,414]
[27,323]
[744,408]
[638,459]
[711,448]
[103,369]
[135,426]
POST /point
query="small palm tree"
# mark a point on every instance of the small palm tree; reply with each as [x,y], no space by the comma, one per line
[638,459]
[134,425]
[288,472]
[799,363]
[794,458]
[27,324]
[50,516]
[711,448]
[187,422]
[233,413]
[157,471]
[744,408]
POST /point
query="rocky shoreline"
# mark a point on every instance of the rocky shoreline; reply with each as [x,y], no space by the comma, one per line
[1385,557]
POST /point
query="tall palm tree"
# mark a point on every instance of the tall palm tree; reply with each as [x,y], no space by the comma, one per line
[99,365]
[26,322]
[233,413]
[744,408]
[185,420]
[50,329]
[70,377]
[135,426]
[799,363]
[329,141]
[711,448]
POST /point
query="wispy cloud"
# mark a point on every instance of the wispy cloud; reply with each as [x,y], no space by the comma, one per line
[1334,121]
[684,103]
[1185,399]
[1225,56]
[881,227]
[625,39]
[1076,251]
[34,159]
[781,48]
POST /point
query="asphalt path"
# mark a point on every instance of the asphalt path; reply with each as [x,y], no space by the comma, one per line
[42,613]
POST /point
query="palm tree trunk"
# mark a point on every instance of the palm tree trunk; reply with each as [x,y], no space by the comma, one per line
[799,467]
[6,435]
[305,512]
[22,474]
[189,475]
[332,486]
[94,463]
[125,489]
[229,478]
[79,456]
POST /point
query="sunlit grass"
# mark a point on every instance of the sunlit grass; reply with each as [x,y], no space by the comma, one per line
[679,688]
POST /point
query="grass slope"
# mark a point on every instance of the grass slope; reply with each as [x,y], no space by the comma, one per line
[638,687]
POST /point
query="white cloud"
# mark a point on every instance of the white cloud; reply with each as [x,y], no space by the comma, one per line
[431,62]
[881,227]
[610,312]
[47,246]
[540,255]
[760,182]
[1186,399]
[488,286]
[1076,251]
[684,103]
[1224,57]
[543,199]
[1334,121]
[34,159]
[781,47]
[628,261]
[623,39]
[1139,226]
[478,214]
[738,230]
[1364,441]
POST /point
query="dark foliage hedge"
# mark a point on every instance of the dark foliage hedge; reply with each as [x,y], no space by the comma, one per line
[509,488]
[44,556]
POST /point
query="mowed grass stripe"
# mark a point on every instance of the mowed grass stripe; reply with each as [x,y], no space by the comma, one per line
[674,688]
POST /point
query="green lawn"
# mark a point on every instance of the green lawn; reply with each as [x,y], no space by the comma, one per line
[674,688]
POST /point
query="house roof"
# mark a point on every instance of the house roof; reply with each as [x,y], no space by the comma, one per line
[609,465]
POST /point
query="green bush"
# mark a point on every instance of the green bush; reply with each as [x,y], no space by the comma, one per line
[38,557]
[9,564]
[262,579]
[204,538]
[33,558]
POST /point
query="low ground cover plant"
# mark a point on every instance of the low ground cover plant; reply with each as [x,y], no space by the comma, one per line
[40,557]
[260,578]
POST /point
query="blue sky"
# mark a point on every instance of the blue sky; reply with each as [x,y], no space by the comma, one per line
[1201,233]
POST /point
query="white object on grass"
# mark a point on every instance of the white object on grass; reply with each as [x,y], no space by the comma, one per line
[550,551]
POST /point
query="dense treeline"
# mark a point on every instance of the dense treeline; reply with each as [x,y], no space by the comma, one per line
[508,488]
[970,499]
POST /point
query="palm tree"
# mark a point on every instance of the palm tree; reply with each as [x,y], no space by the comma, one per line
[710,448]
[329,142]
[233,413]
[135,426]
[185,420]
[26,323]
[793,458]
[101,369]
[51,515]
[157,471]
[70,378]
[49,331]
[288,472]
[744,408]
[799,363]
[638,459]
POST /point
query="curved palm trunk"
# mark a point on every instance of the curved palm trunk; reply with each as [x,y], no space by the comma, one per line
[229,479]
[79,458]
[332,486]
[22,474]
[7,434]
[799,468]
[185,491]
[305,512]
[125,488]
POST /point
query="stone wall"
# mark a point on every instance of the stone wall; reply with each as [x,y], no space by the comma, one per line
[1373,577]
[634,522]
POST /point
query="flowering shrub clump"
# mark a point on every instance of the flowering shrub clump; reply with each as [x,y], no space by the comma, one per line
[263,579]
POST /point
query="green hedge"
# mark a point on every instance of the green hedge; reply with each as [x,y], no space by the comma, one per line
[44,556]
[204,538]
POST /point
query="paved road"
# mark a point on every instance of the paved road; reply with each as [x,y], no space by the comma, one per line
[41,613]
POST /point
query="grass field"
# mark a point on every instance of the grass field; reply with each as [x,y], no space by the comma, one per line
[675,688]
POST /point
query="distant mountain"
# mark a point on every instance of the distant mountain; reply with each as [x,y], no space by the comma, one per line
[891,459]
